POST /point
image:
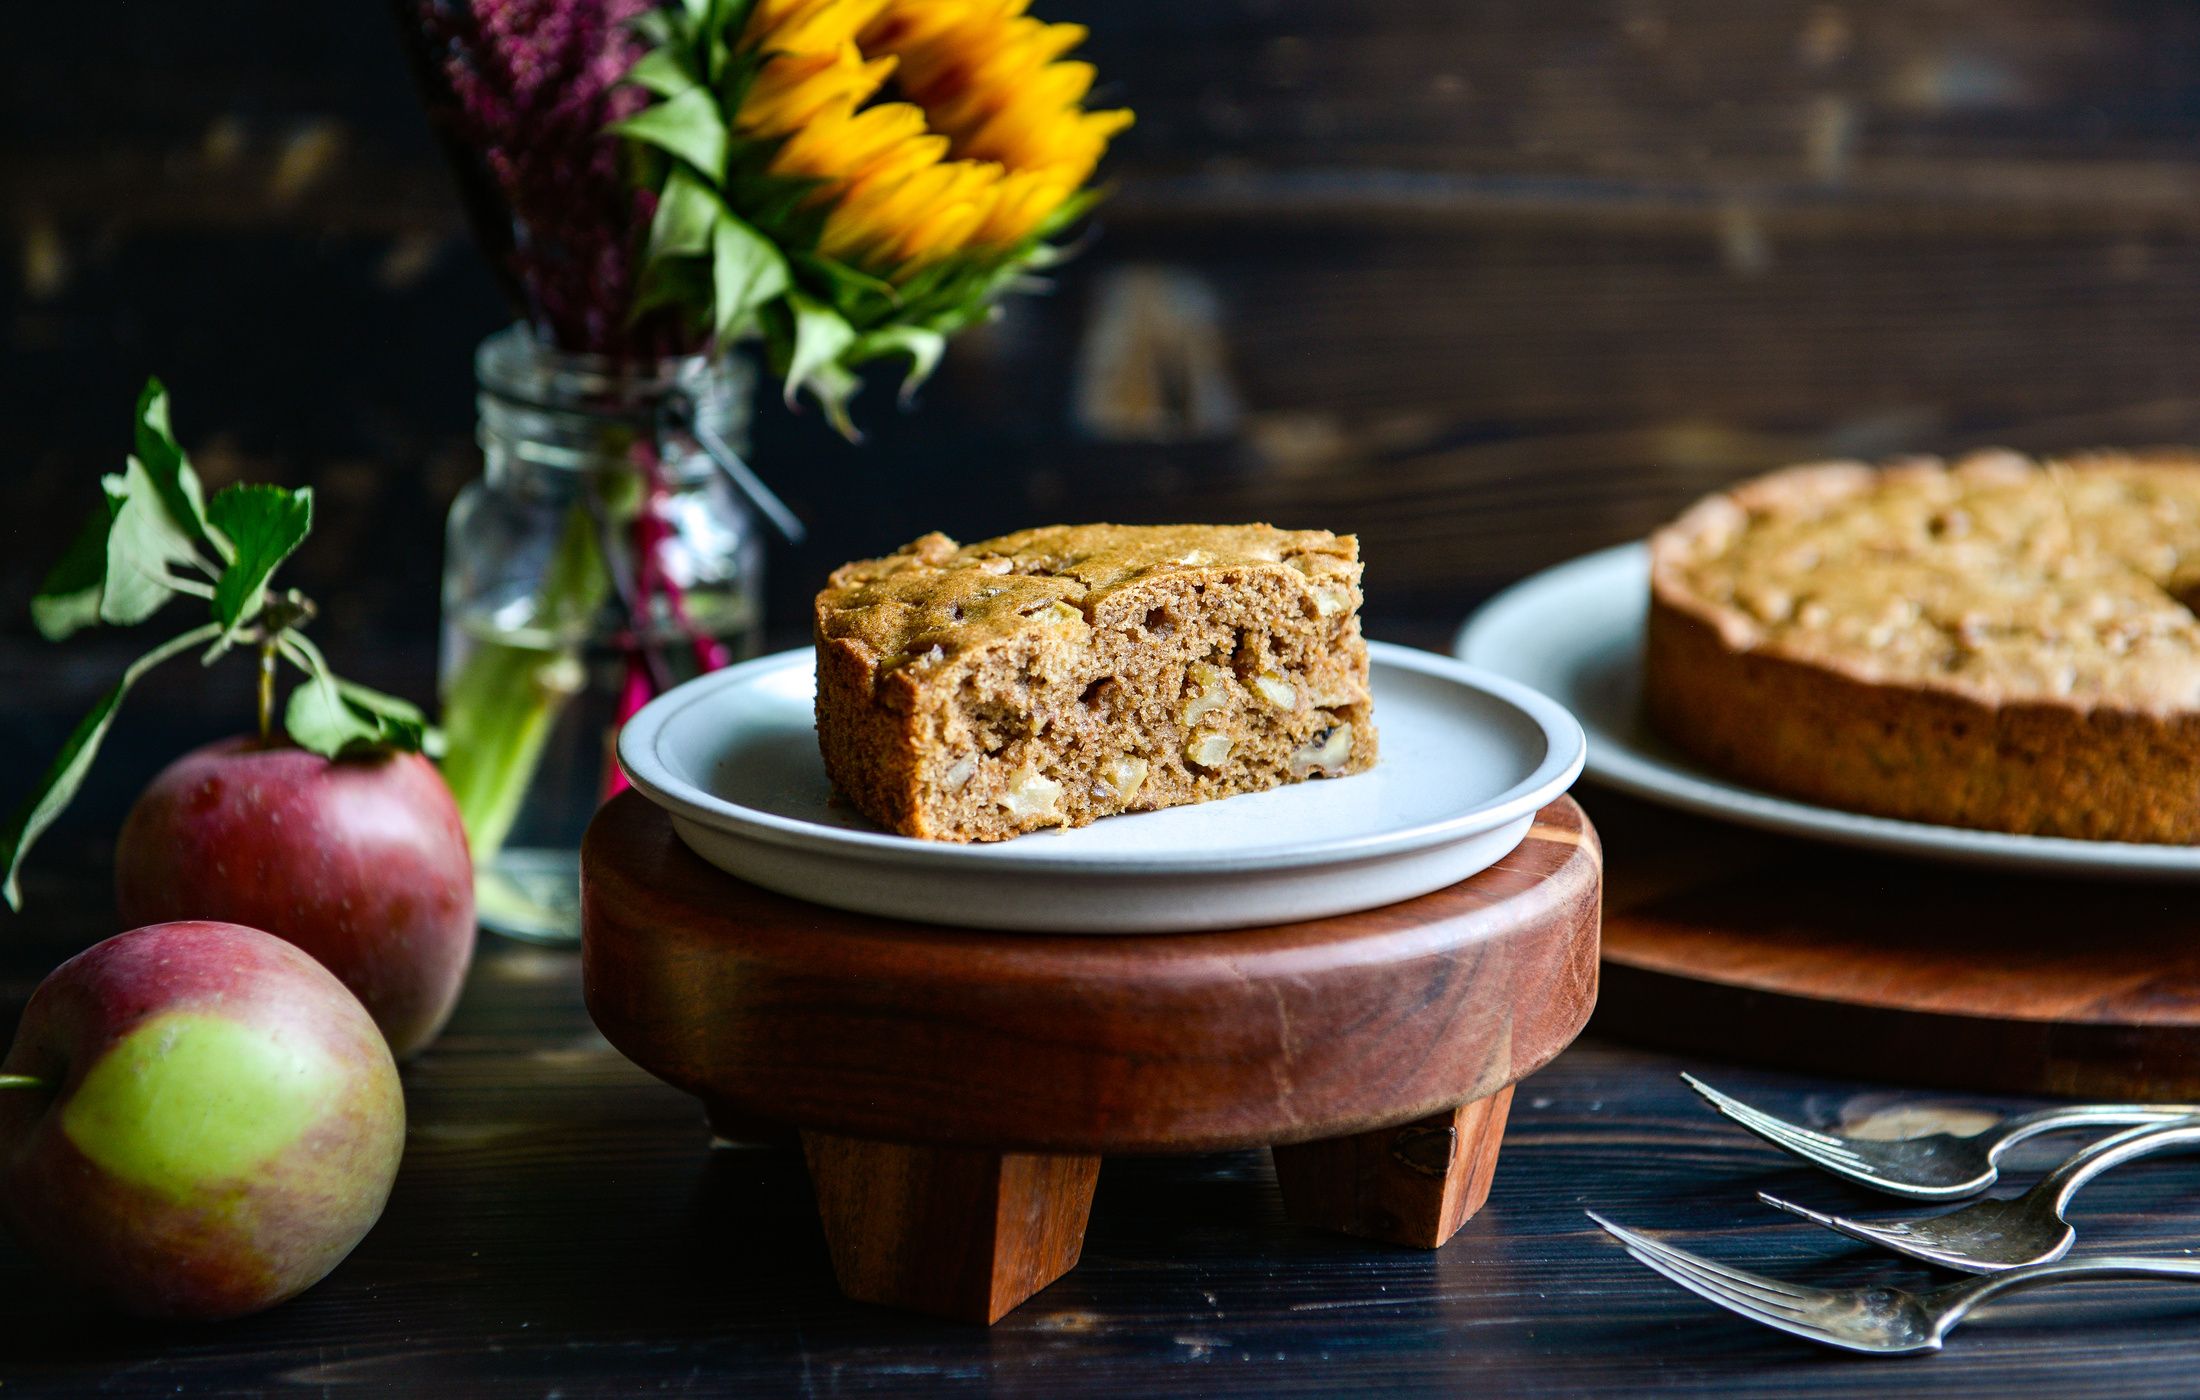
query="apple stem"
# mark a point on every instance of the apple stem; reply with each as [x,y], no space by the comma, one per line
[267,687]
[23,1081]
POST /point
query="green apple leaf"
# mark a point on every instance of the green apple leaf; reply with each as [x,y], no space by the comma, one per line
[689,126]
[406,723]
[335,717]
[265,524]
[66,775]
[69,598]
[145,541]
[746,270]
[170,471]
[318,719]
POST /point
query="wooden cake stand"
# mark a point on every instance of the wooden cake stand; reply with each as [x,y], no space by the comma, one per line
[955,1091]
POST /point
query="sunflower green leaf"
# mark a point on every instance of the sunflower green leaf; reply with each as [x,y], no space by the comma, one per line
[688,125]
[746,270]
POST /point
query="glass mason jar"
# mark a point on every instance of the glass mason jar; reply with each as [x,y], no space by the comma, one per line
[601,558]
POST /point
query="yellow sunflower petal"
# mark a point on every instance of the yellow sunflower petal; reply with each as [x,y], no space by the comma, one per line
[769,16]
[940,233]
[990,140]
[837,142]
[872,219]
[827,25]
[1025,200]
[792,90]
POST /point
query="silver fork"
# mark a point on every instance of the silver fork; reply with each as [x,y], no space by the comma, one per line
[1939,1166]
[1988,1236]
[1882,1321]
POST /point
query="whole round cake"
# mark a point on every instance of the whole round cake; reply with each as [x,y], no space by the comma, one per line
[1996,642]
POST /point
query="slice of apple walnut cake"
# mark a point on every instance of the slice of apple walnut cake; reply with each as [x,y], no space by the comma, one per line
[1058,675]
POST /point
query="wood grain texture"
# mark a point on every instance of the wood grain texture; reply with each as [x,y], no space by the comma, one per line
[957,1232]
[1414,1184]
[786,1011]
[1807,956]
[559,1225]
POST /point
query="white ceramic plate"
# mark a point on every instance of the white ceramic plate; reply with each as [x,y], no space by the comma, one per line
[1467,759]
[1576,634]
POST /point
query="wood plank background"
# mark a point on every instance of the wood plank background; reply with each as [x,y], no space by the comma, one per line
[1489,281]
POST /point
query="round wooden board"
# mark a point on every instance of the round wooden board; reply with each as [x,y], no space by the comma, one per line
[772,1009]
[1779,952]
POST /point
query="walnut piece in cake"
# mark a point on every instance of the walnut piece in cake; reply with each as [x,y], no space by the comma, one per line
[1055,676]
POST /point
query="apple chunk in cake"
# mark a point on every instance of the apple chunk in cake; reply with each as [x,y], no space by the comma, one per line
[1054,676]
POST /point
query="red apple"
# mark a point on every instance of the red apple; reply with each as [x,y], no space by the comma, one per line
[196,1121]
[361,862]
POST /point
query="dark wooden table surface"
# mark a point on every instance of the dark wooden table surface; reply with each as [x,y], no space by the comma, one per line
[562,1227]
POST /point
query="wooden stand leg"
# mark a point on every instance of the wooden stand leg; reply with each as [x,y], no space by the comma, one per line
[732,1127]
[957,1232]
[1415,1184]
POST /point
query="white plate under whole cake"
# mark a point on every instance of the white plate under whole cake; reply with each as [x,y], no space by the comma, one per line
[1575,632]
[1467,760]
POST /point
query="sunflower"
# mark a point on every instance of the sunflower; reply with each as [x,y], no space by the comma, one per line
[856,178]
[989,139]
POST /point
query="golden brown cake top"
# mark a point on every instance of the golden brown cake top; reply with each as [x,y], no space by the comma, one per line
[1998,577]
[934,592]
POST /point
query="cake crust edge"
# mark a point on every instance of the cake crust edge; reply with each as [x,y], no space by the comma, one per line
[1825,731]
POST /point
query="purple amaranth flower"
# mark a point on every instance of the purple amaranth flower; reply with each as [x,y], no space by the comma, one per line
[521,92]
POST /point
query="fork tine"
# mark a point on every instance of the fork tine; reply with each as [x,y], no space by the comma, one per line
[1798,1140]
[1835,1158]
[1719,1290]
[1750,1115]
[1773,1292]
[1891,1237]
[1894,1237]
[1807,1328]
[1839,1162]
[1854,1229]
[1813,1216]
[1710,1289]
[1671,1265]
[1765,1124]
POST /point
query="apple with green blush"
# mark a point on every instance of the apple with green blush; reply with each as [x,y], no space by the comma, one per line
[197,1121]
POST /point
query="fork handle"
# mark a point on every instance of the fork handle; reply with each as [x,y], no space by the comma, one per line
[2090,1115]
[1965,1296]
[2089,1162]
